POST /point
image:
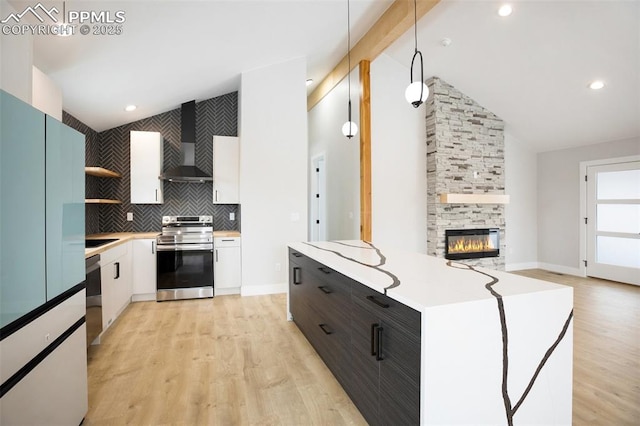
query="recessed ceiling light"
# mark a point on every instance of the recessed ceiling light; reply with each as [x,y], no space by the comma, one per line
[130,108]
[505,10]
[596,85]
[309,82]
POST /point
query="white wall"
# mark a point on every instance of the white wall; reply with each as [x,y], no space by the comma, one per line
[342,158]
[398,160]
[16,60]
[559,201]
[46,96]
[273,171]
[521,212]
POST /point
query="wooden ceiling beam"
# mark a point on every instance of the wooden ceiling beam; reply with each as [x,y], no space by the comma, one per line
[394,22]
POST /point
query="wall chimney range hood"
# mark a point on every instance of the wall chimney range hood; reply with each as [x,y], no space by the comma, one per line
[187,172]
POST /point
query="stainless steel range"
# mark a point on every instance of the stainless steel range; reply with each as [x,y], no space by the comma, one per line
[185,258]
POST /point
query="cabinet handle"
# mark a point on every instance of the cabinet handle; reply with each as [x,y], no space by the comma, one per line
[116,270]
[325,290]
[156,195]
[153,247]
[227,241]
[216,195]
[379,331]
[325,270]
[296,276]
[324,328]
[377,302]
[216,255]
[374,346]
[295,254]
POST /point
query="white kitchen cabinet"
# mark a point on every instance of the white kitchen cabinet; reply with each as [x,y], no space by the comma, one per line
[144,269]
[227,265]
[226,170]
[146,167]
[115,274]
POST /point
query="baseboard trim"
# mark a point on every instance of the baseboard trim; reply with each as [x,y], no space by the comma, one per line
[147,297]
[259,290]
[225,291]
[520,266]
[560,269]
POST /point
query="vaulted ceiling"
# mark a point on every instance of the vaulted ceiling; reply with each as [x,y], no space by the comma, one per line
[532,68]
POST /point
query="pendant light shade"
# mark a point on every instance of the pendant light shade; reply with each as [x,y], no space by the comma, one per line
[349,128]
[417,92]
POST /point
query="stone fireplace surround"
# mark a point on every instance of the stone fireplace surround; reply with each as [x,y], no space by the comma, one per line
[465,155]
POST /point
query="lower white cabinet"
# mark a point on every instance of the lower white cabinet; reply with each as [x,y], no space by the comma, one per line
[227,265]
[144,269]
[115,274]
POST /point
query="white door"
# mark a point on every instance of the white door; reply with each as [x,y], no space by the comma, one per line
[318,200]
[613,222]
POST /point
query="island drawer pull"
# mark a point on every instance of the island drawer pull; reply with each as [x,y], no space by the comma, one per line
[377,302]
[325,290]
[325,270]
[324,328]
[296,275]
[295,254]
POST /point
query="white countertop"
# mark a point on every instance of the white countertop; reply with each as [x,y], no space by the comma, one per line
[423,281]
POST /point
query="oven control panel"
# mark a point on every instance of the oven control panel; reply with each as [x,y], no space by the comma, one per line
[166,220]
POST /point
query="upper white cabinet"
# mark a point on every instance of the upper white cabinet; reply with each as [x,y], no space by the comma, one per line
[226,167]
[146,167]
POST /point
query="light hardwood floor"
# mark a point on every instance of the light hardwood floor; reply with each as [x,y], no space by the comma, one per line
[221,361]
[606,349]
[237,361]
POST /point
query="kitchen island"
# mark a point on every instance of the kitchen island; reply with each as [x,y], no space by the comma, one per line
[453,343]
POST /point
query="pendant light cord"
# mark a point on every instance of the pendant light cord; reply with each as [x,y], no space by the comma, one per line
[415,25]
[349,61]
[349,52]
[416,52]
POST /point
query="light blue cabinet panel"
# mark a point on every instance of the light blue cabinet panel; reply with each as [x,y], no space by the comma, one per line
[64,207]
[22,208]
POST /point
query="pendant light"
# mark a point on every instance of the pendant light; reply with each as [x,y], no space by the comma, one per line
[349,128]
[417,92]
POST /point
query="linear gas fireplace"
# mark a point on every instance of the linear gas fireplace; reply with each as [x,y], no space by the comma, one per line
[472,243]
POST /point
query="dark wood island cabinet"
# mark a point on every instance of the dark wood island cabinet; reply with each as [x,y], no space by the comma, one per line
[370,342]
[415,339]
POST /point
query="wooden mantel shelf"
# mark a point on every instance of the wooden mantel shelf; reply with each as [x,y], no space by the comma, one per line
[101,201]
[474,199]
[100,172]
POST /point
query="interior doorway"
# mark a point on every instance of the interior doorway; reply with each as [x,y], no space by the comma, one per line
[318,199]
[612,220]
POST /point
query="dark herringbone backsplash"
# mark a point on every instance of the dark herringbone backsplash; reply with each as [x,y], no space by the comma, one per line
[217,116]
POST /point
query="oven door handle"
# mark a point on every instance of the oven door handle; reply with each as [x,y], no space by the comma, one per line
[185,247]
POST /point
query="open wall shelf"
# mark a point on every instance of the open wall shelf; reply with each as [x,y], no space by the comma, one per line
[101,172]
[101,201]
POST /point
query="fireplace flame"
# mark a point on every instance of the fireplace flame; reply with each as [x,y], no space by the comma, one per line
[471,245]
